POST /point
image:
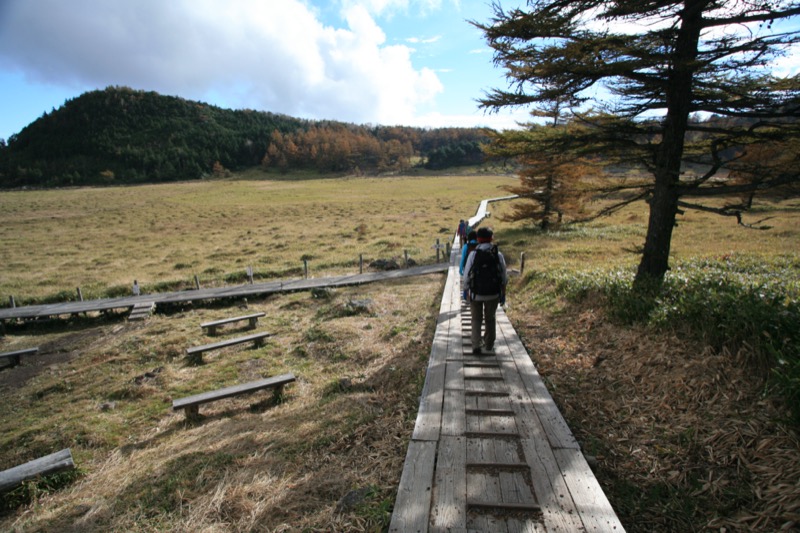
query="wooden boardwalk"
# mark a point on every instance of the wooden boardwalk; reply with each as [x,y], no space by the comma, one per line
[490,451]
[238,291]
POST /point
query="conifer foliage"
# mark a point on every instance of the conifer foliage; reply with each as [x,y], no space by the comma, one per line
[121,136]
[684,90]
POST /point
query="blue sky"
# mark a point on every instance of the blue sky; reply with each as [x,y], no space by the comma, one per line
[406,62]
[391,62]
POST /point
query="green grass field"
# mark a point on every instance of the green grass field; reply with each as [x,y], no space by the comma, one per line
[686,428]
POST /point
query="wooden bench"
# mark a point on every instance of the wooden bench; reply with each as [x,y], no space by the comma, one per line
[49,464]
[191,404]
[211,327]
[14,356]
[195,353]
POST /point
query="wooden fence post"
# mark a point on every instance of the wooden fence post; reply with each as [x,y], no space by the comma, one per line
[250,274]
[521,263]
[13,303]
[196,282]
[405,253]
[80,295]
[360,263]
[437,250]
[305,268]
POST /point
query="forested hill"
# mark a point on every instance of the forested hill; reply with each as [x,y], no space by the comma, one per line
[120,136]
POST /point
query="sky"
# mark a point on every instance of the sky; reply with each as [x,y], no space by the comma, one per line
[390,62]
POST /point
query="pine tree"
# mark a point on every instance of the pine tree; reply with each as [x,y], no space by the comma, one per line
[645,68]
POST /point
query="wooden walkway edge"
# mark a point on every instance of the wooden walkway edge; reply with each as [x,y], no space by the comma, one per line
[490,451]
[238,291]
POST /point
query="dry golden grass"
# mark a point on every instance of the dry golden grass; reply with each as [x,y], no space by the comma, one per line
[248,465]
[100,239]
[104,387]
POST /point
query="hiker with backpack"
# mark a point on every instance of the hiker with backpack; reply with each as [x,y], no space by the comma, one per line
[462,231]
[485,279]
[469,245]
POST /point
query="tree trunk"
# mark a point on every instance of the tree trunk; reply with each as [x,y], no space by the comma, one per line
[669,155]
[655,256]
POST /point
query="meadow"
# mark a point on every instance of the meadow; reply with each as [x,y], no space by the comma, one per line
[688,429]
[101,239]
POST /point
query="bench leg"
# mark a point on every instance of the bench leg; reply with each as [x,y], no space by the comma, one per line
[212,330]
[192,412]
[258,343]
[277,394]
[195,359]
[15,360]
[253,322]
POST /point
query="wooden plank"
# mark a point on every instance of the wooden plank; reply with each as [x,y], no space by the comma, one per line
[591,503]
[522,404]
[529,525]
[449,498]
[211,327]
[17,353]
[412,506]
[503,506]
[556,428]
[49,464]
[227,342]
[453,419]
[14,357]
[454,376]
[550,490]
[476,451]
[234,390]
[482,371]
[515,490]
[231,320]
[429,415]
[494,425]
[485,386]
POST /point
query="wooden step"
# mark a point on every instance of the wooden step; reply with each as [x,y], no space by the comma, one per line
[141,310]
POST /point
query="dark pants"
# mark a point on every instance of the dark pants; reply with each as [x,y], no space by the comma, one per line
[483,313]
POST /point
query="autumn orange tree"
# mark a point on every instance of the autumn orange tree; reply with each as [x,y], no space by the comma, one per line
[643,76]
[554,185]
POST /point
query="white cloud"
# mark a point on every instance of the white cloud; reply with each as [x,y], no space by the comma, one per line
[275,56]
[387,8]
[506,120]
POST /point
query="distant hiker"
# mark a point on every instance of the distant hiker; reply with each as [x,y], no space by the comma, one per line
[462,231]
[485,277]
[469,245]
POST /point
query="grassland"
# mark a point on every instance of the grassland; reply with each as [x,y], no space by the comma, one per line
[687,433]
[101,240]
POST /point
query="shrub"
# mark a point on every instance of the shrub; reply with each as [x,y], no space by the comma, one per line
[735,302]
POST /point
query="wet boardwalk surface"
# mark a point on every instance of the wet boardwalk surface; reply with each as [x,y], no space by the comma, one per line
[490,451]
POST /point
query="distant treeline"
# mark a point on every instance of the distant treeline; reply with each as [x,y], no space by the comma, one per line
[120,136]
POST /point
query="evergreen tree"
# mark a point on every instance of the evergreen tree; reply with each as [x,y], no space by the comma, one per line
[646,67]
